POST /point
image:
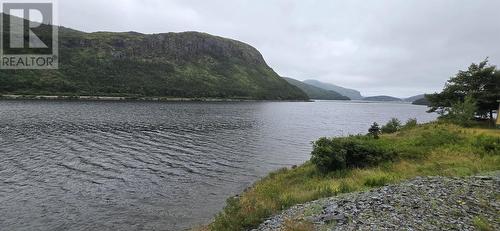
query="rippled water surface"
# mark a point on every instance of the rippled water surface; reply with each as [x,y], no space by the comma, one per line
[162,166]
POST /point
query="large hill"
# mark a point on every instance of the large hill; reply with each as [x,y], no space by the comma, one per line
[316,92]
[352,94]
[188,64]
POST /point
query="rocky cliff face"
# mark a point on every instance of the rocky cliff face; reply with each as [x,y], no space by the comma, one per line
[176,46]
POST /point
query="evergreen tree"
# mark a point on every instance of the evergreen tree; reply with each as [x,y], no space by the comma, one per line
[480,81]
[374,130]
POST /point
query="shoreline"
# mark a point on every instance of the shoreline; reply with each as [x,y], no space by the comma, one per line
[130,98]
[280,191]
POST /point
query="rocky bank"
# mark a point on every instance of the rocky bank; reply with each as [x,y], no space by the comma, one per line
[424,203]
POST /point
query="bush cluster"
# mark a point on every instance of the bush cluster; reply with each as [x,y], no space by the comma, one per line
[349,152]
[488,144]
[411,123]
[392,126]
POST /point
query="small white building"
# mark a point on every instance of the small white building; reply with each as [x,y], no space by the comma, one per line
[498,115]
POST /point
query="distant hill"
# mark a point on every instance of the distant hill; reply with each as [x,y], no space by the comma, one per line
[413,98]
[316,92]
[383,98]
[418,100]
[188,64]
[352,94]
[421,101]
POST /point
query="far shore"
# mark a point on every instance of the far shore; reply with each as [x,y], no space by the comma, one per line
[131,98]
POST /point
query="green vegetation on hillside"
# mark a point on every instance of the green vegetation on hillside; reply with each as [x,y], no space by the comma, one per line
[418,100]
[351,93]
[414,98]
[430,149]
[423,101]
[189,65]
[316,92]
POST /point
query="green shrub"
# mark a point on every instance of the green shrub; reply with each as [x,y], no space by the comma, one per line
[374,131]
[411,123]
[392,126]
[488,143]
[350,152]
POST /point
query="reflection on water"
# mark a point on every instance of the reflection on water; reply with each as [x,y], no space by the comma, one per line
[146,165]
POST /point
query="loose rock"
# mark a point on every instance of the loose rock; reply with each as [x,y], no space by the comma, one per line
[424,203]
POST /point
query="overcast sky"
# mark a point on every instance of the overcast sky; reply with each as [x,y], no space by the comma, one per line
[398,47]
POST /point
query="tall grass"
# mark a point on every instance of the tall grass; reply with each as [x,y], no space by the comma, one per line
[430,149]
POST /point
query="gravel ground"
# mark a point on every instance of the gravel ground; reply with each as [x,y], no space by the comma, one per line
[424,203]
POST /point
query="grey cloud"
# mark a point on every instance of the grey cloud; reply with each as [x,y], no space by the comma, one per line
[379,47]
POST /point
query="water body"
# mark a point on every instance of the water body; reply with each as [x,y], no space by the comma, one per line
[155,166]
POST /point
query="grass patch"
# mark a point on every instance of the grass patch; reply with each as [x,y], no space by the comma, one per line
[292,225]
[378,180]
[425,150]
[482,224]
